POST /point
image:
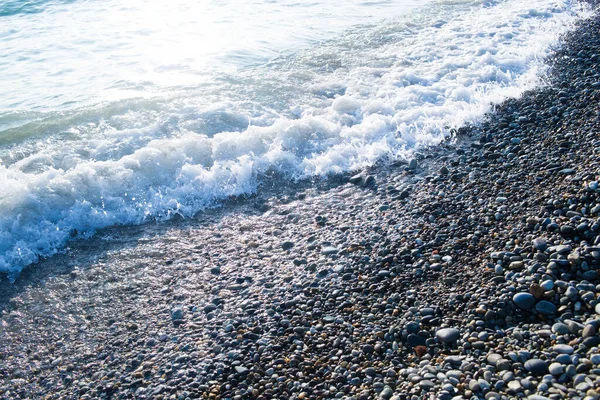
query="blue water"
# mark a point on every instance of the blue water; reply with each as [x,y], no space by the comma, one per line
[118,112]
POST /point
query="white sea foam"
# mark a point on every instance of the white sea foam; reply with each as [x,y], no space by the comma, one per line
[379,91]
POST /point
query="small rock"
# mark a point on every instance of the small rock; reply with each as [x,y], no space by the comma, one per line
[536,366]
[177,313]
[287,245]
[524,301]
[412,165]
[556,368]
[329,250]
[588,331]
[563,349]
[546,308]
[540,244]
[447,335]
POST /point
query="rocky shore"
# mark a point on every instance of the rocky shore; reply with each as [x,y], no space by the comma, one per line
[471,272]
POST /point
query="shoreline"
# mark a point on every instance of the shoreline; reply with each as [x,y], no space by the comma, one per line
[477,274]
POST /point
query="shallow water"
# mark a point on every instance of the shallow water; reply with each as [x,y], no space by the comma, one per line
[123,112]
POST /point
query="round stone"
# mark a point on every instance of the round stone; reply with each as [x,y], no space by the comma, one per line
[540,244]
[556,368]
[413,327]
[547,285]
[560,328]
[524,301]
[536,366]
[176,313]
[447,335]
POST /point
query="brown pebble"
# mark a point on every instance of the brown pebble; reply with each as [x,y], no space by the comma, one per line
[537,291]
[420,351]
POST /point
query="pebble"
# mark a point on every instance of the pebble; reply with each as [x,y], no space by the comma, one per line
[556,368]
[536,366]
[356,293]
[563,349]
[177,313]
[287,245]
[524,301]
[540,244]
[447,335]
[329,250]
[546,308]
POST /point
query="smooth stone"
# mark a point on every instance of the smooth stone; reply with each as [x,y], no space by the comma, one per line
[547,285]
[447,335]
[536,366]
[556,368]
[413,327]
[515,385]
[329,250]
[241,370]
[546,308]
[564,359]
[493,358]
[426,384]
[563,349]
[540,244]
[416,340]
[176,313]
[287,245]
[386,393]
[562,249]
[560,328]
[583,387]
[524,301]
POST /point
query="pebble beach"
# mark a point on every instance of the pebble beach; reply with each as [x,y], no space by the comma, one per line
[469,271]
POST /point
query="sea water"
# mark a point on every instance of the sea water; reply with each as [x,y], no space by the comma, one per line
[120,112]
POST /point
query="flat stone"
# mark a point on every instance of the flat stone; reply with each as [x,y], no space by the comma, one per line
[241,370]
[563,349]
[546,308]
[287,245]
[561,249]
[413,327]
[493,358]
[426,384]
[515,385]
[329,250]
